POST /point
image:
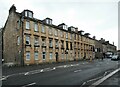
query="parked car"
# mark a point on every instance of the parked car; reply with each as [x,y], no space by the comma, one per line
[115,57]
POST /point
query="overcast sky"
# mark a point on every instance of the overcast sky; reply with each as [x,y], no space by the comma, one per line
[97,17]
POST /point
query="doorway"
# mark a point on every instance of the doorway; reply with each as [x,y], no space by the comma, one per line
[56,55]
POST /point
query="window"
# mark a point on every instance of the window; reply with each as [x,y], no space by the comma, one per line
[28,55]
[28,40]
[43,42]
[51,55]
[65,27]
[36,55]
[26,13]
[50,31]
[36,27]
[43,55]
[66,35]
[62,55]
[50,43]
[43,29]
[27,25]
[96,50]
[55,33]
[61,34]
[50,21]
[47,21]
[56,43]
[30,14]
[36,41]
[18,40]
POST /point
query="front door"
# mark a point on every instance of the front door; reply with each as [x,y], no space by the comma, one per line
[56,56]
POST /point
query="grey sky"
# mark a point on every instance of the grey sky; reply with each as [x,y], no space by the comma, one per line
[97,17]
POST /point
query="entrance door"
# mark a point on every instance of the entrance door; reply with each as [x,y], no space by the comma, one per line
[56,56]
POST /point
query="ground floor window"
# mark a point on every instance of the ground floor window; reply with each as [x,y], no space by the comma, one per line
[36,55]
[43,55]
[51,55]
[27,55]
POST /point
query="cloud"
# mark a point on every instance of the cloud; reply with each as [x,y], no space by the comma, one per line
[98,18]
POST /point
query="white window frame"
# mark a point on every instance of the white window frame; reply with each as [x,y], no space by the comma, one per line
[30,14]
[62,55]
[50,31]
[28,55]
[36,55]
[27,25]
[43,29]
[36,40]
[51,55]
[50,43]
[47,21]
[56,32]
[28,39]
[50,21]
[66,35]
[26,13]
[36,27]
[56,43]
[61,34]
[43,42]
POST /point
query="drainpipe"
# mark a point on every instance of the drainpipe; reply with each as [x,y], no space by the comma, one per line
[22,50]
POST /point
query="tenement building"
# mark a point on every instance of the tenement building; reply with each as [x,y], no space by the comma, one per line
[28,40]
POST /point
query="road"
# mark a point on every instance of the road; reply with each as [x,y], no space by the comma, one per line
[75,73]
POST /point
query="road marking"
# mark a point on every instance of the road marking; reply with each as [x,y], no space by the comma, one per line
[29,84]
[26,73]
[54,68]
[77,71]
[41,70]
[104,78]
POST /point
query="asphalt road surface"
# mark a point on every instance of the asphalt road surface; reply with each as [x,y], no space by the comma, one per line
[75,73]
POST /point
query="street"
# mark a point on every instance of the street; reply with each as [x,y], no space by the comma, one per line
[80,73]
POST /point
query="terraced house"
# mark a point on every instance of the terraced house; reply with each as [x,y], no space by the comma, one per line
[28,40]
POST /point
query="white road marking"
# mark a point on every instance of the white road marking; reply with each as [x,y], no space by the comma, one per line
[65,66]
[29,84]
[77,71]
[104,78]
[54,68]
[26,73]
[41,70]
[60,66]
